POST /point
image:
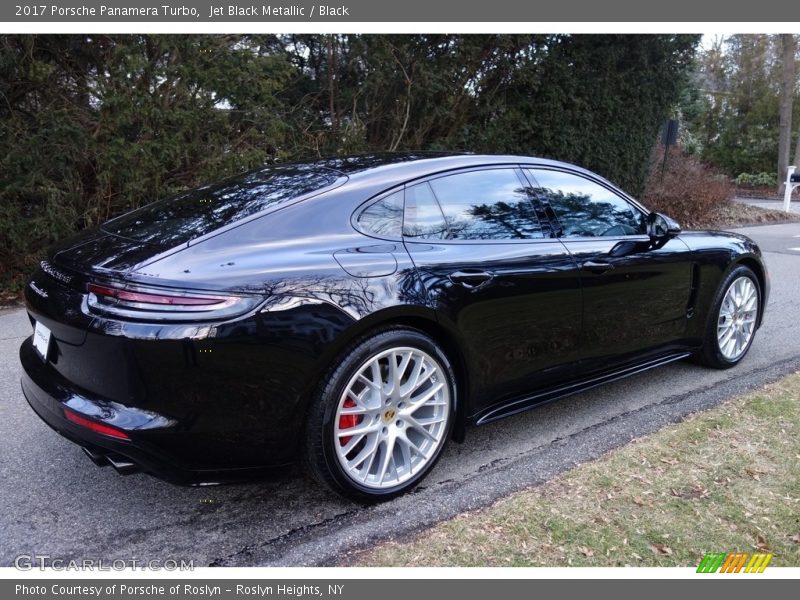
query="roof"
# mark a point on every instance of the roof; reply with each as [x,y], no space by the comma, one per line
[390,168]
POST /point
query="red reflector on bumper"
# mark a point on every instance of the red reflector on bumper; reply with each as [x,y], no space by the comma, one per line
[95,426]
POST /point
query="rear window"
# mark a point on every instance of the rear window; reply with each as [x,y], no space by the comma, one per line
[195,213]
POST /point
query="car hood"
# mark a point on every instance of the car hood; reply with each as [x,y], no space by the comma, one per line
[727,241]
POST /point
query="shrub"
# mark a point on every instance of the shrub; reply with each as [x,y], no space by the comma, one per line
[756,180]
[689,190]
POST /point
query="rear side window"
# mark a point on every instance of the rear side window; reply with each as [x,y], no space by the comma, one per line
[585,208]
[383,218]
[192,214]
[487,205]
[423,218]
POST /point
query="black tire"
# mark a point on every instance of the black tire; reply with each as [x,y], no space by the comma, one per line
[322,458]
[711,354]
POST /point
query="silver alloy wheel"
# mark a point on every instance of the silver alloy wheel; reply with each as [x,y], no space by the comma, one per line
[392,417]
[736,321]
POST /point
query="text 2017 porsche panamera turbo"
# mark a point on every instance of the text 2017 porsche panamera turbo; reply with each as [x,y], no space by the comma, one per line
[360,312]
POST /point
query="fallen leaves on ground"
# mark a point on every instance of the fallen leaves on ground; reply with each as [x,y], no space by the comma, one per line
[696,492]
[761,543]
[660,549]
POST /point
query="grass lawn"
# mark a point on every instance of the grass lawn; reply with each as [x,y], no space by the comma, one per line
[723,480]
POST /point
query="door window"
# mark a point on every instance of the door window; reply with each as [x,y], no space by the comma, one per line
[492,204]
[584,208]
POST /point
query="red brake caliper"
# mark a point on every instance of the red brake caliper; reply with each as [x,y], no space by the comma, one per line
[347,421]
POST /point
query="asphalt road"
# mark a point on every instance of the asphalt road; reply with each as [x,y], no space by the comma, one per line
[54,501]
[772,204]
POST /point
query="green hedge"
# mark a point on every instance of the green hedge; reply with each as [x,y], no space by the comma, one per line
[94,125]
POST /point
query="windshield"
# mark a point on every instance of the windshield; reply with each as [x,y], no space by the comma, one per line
[197,212]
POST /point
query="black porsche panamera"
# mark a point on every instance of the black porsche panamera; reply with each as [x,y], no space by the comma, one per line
[360,312]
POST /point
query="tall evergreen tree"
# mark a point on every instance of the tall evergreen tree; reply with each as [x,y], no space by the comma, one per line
[740,81]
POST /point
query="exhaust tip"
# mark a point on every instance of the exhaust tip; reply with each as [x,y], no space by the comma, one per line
[122,465]
[98,458]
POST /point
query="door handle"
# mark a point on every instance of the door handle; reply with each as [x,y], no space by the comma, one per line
[597,267]
[471,279]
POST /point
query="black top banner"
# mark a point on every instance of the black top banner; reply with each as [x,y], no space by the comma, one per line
[454,11]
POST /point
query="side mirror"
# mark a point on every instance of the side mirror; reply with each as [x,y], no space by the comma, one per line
[661,227]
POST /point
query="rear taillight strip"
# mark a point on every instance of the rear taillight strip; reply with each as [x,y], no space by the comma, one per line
[157,304]
[150,298]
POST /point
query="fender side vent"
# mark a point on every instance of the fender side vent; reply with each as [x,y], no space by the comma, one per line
[693,291]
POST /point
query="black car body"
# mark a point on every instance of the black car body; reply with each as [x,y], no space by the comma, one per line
[192,337]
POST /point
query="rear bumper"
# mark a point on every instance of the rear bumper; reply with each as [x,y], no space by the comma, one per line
[153,437]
